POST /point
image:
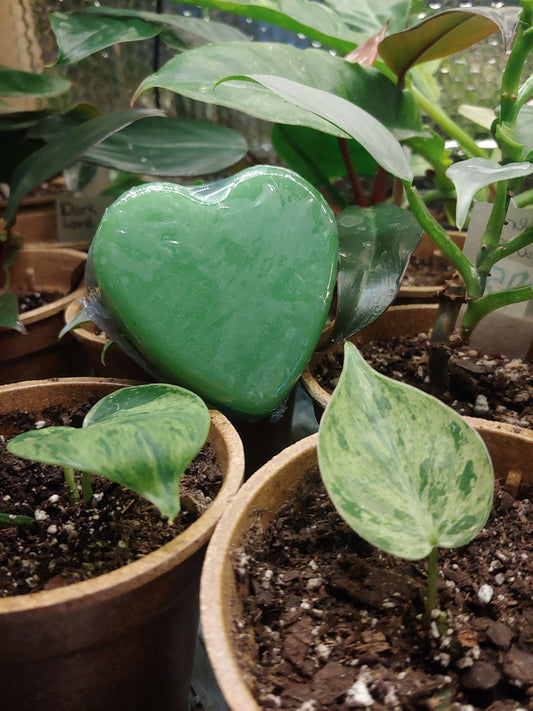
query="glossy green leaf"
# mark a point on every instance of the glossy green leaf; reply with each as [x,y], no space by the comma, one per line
[314,20]
[63,151]
[142,437]
[367,17]
[9,312]
[480,115]
[524,130]
[345,117]
[170,147]
[315,155]
[84,32]
[375,245]
[79,319]
[471,175]
[405,471]
[15,83]
[446,33]
[196,74]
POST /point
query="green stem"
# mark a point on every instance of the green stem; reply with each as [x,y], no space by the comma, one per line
[493,231]
[504,250]
[86,487]
[433,576]
[524,199]
[479,308]
[8,520]
[435,112]
[443,241]
[510,87]
[70,481]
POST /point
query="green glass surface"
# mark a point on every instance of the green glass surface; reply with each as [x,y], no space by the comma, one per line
[223,288]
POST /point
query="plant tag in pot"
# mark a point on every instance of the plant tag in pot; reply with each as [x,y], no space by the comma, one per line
[223,288]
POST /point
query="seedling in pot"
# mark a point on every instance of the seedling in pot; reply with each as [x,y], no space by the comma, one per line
[405,471]
[142,437]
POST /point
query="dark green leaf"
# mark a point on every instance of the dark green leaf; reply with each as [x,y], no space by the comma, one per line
[405,471]
[367,17]
[63,151]
[9,312]
[142,437]
[16,83]
[375,245]
[170,147]
[446,33]
[79,319]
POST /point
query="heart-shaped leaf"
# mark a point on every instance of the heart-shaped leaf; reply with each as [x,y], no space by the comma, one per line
[84,32]
[61,152]
[471,175]
[142,437]
[9,312]
[15,83]
[446,33]
[403,469]
[223,288]
[375,245]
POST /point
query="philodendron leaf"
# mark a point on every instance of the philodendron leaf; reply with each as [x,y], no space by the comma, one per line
[15,83]
[142,437]
[446,33]
[404,470]
[375,245]
[346,118]
[9,312]
[471,175]
[79,319]
[63,151]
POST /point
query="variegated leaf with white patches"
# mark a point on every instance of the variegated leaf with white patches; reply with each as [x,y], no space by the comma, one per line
[404,470]
[142,437]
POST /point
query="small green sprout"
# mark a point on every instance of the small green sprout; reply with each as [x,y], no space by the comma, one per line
[405,471]
[142,437]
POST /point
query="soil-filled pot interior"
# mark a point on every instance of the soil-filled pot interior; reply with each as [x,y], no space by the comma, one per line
[321,620]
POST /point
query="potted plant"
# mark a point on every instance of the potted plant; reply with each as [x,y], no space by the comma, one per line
[299,612]
[125,638]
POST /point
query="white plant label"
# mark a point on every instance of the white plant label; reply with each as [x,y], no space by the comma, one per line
[513,271]
[78,217]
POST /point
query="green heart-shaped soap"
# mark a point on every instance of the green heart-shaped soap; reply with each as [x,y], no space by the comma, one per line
[223,288]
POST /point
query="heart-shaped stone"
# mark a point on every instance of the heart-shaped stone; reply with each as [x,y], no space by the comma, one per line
[223,288]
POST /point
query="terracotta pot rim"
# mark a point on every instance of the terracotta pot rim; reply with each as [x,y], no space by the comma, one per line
[144,569]
[58,305]
[215,575]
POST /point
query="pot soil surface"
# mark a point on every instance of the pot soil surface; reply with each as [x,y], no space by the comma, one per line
[28,302]
[73,543]
[330,622]
[492,387]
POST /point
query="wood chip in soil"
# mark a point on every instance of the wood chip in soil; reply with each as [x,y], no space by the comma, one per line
[331,623]
[73,543]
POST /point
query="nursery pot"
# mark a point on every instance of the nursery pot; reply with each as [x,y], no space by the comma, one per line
[256,504]
[123,641]
[39,354]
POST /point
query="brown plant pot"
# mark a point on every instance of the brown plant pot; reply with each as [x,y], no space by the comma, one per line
[117,364]
[427,250]
[39,354]
[123,641]
[255,506]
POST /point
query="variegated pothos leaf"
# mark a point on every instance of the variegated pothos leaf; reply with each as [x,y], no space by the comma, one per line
[142,437]
[404,470]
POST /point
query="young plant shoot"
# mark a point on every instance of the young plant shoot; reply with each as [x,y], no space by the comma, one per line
[405,471]
[142,437]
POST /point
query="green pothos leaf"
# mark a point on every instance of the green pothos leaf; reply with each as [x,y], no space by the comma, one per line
[9,312]
[142,437]
[404,470]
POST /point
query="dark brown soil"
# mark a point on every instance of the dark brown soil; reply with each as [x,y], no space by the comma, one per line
[427,271]
[27,302]
[492,387]
[331,623]
[72,543]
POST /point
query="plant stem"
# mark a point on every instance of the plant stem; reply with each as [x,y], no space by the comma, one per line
[435,112]
[8,520]
[70,481]
[524,199]
[381,182]
[86,487]
[357,188]
[433,576]
[450,302]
